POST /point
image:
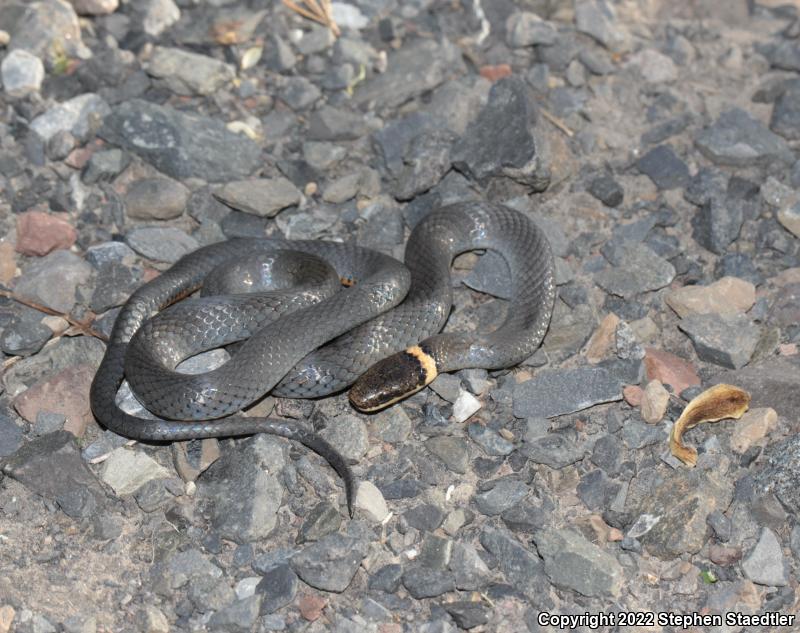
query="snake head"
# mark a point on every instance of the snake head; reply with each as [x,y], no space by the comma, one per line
[393,379]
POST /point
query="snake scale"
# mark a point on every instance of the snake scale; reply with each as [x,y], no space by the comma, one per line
[382,329]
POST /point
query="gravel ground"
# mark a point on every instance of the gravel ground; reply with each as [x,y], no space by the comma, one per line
[656,143]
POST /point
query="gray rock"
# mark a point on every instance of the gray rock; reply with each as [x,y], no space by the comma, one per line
[48,422]
[607,454]
[75,489]
[278,55]
[277,587]
[596,490]
[103,166]
[679,506]
[299,93]
[392,141]
[500,137]
[555,392]
[779,474]
[414,69]
[554,450]
[22,73]
[785,118]
[177,143]
[637,269]
[156,199]
[726,340]
[448,386]
[162,244]
[76,116]
[469,570]
[52,280]
[386,579]
[572,562]
[335,124]
[467,614]
[706,184]
[127,470]
[524,28]
[607,190]
[153,495]
[348,435]
[453,451]
[323,519]
[637,434]
[392,425]
[114,283]
[765,564]
[264,197]
[490,441]
[717,225]
[422,582]
[598,19]
[426,517]
[239,616]
[187,73]
[330,563]
[322,156]
[50,30]
[738,139]
[318,39]
[157,16]
[521,568]
[65,352]
[24,334]
[434,552]
[525,517]
[782,54]
[180,569]
[491,275]
[243,499]
[426,161]
[505,494]
[342,189]
[109,252]
[738,265]
[663,166]
[10,436]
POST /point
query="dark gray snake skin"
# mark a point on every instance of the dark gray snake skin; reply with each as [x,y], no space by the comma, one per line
[368,322]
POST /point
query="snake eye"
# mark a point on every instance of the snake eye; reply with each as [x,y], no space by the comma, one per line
[393,379]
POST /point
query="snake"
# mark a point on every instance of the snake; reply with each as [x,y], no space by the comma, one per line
[378,329]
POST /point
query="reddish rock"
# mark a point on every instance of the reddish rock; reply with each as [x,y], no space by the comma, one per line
[724,556]
[39,233]
[78,157]
[633,395]
[311,606]
[495,73]
[669,369]
[66,392]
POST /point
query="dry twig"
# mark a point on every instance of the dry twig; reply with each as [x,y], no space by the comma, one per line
[317,10]
[557,122]
[84,327]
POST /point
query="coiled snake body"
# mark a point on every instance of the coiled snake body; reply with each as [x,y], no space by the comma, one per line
[384,340]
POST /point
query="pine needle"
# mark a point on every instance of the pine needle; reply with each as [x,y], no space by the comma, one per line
[317,10]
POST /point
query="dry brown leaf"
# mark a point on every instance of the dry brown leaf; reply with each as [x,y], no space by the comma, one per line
[717,403]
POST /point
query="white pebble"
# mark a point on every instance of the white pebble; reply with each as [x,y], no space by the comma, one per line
[370,500]
[465,406]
